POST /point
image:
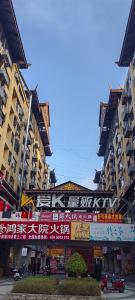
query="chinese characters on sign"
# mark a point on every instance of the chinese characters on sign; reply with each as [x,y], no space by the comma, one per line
[82,202]
[28,230]
[112,232]
[80,216]
[35,230]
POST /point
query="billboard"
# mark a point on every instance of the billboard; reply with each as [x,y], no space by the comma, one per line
[80,231]
[80,216]
[57,201]
[112,232]
[35,230]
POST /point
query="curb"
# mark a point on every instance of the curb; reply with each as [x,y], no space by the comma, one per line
[20,296]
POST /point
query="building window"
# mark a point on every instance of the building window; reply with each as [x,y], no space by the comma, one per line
[11,181]
[12,138]
[9,158]
[16,146]
[13,165]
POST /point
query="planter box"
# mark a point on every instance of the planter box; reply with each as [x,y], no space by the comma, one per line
[17,296]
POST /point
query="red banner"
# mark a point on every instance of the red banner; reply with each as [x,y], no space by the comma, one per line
[80,216]
[16,230]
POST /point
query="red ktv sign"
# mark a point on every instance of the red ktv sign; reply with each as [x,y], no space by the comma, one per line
[15,230]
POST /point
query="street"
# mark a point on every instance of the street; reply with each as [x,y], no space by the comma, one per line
[5,287]
[128,294]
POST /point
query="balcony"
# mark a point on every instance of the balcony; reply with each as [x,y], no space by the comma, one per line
[33,170]
[114,185]
[131,170]
[26,169]
[103,134]
[3,97]
[30,141]
[27,154]
[126,98]
[4,77]
[112,157]
[129,149]
[2,118]
[126,114]
[112,171]
[32,184]
[16,146]
[127,130]
[36,145]
[34,158]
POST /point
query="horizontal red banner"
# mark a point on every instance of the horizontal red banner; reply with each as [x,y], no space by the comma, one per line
[35,230]
[78,216]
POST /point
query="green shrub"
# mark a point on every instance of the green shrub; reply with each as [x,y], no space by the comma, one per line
[76,265]
[36,285]
[80,287]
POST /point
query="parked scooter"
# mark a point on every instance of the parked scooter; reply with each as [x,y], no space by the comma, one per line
[116,283]
[17,274]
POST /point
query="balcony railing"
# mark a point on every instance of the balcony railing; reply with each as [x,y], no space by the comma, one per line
[32,184]
[27,154]
[126,98]
[112,171]
[34,158]
[3,97]
[126,114]
[129,149]
[114,185]
[4,77]
[127,130]
[131,169]
[34,170]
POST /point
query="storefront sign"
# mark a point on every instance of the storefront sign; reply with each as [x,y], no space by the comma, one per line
[35,230]
[24,251]
[68,216]
[80,216]
[54,252]
[97,251]
[80,231]
[109,218]
[112,232]
[74,202]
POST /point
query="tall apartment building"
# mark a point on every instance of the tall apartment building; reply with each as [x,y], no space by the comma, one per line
[14,107]
[117,130]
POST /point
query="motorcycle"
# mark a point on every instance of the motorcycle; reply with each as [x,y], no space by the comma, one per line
[116,283]
[17,274]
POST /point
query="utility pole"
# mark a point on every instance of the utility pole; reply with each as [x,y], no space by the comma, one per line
[25,149]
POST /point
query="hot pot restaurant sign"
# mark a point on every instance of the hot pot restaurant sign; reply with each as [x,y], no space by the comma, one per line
[35,230]
[112,232]
[73,202]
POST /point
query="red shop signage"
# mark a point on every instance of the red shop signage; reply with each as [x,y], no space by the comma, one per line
[17,230]
[68,217]
[80,216]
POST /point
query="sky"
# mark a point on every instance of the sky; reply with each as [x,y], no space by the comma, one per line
[72,46]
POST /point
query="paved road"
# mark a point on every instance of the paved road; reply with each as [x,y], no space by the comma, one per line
[5,287]
[128,294]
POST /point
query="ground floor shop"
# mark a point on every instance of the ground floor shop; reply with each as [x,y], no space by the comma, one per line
[34,257]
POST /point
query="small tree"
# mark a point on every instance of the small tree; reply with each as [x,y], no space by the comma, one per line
[76,265]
